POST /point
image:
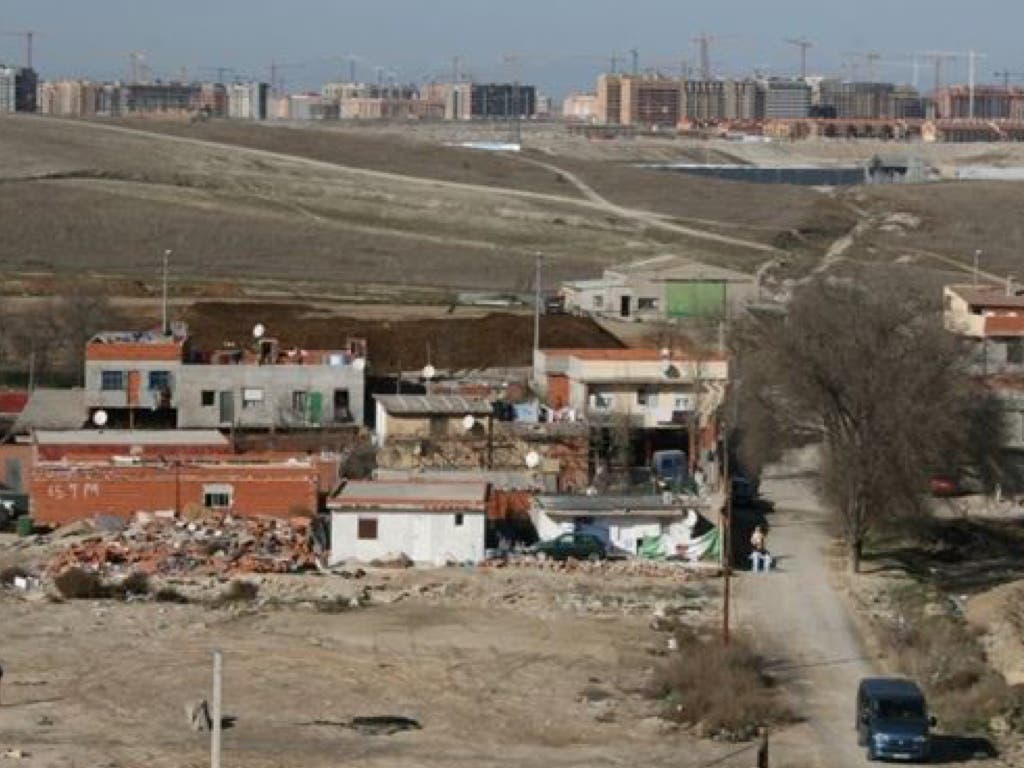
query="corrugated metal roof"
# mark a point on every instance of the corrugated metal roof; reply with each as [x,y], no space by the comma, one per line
[451,405]
[131,437]
[579,505]
[505,480]
[362,494]
[52,409]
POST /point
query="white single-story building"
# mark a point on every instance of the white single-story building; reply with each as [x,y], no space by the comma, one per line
[663,525]
[429,522]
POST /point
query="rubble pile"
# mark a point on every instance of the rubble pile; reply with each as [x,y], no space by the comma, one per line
[675,569]
[212,544]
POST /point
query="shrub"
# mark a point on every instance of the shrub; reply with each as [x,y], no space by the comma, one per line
[701,683]
[78,584]
[169,595]
[238,592]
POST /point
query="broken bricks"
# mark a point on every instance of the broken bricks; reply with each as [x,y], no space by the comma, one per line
[210,544]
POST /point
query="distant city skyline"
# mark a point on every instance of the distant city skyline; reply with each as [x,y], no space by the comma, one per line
[560,45]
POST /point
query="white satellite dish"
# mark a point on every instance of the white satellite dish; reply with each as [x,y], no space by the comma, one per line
[99,418]
[468,422]
[359,363]
[532,459]
[429,371]
[258,331]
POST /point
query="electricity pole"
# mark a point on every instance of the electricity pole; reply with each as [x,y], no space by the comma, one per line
[218,669]
[166,327]
[536,306]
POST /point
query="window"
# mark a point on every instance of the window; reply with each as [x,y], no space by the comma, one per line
[600,402]
[159,381]
[252,397]
[459,520]
[217,496]
[112,381]
[646,303]
[645,396]
[598,302]
[299,401]
[367,529]
[1015,351]
[208,398]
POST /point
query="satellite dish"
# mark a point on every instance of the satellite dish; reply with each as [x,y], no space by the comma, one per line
[359,363]
[258,331]
[468,422]
[99,418]
[532,459]
[429,371]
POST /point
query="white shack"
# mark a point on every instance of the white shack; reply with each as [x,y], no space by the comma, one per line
[654,525]
[430,522]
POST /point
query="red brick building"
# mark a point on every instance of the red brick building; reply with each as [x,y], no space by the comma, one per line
[64,492]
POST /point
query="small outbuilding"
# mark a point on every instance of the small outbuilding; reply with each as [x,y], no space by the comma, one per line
[429,522]
[651,526]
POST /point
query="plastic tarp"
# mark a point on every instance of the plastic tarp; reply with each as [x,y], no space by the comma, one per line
[705,547]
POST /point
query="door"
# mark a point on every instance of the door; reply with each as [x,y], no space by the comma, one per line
[227,407]
[624,306]
[342,413]
[316,408]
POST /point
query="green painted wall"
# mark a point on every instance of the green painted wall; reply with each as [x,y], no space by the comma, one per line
[695,299]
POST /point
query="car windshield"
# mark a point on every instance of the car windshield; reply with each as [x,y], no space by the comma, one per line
[901,709]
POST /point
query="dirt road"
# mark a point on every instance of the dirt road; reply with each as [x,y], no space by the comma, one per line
[799,621]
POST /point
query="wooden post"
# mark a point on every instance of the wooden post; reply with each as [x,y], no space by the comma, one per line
[218,664]
[762,750]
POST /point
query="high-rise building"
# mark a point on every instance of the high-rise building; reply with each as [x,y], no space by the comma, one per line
[7,90]
[248,101]
[990,102]
[26,82]
[714,100]
[503,100]
[609,99]
[783,99]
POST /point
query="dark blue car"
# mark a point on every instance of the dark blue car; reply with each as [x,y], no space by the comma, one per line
[892,720]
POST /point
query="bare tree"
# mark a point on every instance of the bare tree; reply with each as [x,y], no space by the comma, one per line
[866,370]
[80,316]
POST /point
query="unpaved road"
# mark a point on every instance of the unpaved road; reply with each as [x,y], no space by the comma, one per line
[799,621]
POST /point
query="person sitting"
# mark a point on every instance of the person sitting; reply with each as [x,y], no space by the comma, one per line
[760,559]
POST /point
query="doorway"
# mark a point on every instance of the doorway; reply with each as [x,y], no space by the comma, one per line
[624,306]
[227,407]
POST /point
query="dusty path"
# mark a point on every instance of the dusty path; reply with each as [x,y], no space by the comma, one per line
[800,622]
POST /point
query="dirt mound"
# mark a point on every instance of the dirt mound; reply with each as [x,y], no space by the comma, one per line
[496,340]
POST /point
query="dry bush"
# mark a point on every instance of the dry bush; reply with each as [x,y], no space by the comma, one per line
[944,655]
[723,687]
[238,592]
[78,584]
[170,595]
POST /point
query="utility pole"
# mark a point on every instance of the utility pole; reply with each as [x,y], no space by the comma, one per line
[971,57]
[218,670]
[536,306]
[165,326]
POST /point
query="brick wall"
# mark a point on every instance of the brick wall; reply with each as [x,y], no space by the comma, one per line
[63,494]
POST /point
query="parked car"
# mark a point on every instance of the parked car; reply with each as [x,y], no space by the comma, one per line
[892,719]
[582,546]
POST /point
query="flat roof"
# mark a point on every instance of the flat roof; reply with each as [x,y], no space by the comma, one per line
[450,405]
[581,505]
[988,296]
[52,409]
[210,437]
[135,337]
[430,496]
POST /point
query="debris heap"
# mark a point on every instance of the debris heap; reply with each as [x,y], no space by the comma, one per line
[211,544]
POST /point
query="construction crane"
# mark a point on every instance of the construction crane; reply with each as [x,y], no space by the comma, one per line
[704,41]
[804,45]
[1006,75]
[937,59]
[275,70]
[220,70]
[871,58]
[30,36]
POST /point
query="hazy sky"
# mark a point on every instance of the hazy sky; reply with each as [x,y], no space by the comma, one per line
[563,43]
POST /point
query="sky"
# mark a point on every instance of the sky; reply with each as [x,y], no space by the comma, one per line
[560,45]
